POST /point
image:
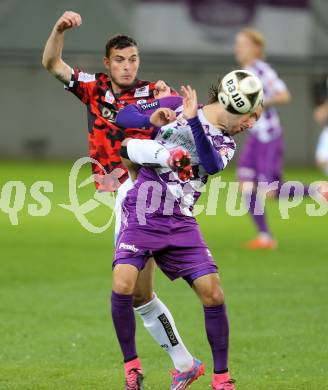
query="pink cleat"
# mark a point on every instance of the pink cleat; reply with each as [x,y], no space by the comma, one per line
[180,162]
[133,375]
[223,382]
[182,379]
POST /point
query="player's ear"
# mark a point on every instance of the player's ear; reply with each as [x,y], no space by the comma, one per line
[106,62]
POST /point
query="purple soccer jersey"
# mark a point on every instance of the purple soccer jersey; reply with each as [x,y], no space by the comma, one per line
[261,158]
[261,162]
[157,211]
[268,127]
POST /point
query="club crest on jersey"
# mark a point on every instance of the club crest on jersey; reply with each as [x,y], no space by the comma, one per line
[167,134]
[109,97]
[142,91]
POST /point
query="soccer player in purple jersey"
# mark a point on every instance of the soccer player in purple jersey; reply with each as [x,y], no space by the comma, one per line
[261,158]
[158,208]
[104,93]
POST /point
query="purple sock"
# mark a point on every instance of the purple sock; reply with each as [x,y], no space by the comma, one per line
[217,329]
[125,324]
[260,220]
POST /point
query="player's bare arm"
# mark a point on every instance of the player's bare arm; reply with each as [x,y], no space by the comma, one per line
[52,55]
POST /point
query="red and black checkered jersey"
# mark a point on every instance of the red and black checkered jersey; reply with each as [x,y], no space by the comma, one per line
[105,137]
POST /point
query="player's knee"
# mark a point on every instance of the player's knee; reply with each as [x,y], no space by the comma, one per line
[122,286]
[213,297]
[141,299]
[246,186]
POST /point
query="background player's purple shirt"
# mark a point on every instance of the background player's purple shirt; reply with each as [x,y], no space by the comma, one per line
[268,127]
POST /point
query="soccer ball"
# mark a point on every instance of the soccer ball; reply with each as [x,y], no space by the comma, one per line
[240,92]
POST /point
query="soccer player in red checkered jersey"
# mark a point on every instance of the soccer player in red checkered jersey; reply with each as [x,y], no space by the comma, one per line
[105,94]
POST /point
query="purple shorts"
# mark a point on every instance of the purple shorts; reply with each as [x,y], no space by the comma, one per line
[260,161]
[175,242]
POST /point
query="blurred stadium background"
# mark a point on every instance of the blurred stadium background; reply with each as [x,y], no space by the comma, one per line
[55,331]
[181,41]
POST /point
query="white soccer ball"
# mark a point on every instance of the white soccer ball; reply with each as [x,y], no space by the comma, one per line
[240,92]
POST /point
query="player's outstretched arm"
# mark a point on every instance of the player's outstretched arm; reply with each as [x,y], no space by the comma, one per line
[52,55]
[139,117]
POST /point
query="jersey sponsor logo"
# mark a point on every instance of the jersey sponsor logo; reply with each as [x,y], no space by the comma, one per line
[108,114]
[86,77]
[150,106]
[128,247]
[167,134]
[141,101]
[142,91]
[109,97]
[168,329]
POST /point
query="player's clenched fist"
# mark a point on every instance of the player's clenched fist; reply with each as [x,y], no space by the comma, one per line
[161,90]
[68,20]
[162,116]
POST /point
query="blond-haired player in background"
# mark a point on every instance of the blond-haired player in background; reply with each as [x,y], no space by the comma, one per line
[261,158]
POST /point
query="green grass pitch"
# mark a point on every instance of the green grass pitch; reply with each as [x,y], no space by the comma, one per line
[55,279]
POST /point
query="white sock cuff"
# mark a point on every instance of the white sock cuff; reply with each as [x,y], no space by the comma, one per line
[147,307]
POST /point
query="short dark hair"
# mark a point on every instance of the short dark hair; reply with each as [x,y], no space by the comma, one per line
[119,42]
[213,92]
